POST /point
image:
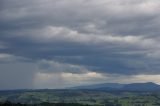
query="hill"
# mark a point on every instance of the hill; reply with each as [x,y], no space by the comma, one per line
[149,86]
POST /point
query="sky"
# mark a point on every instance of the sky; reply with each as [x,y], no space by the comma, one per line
[65,43]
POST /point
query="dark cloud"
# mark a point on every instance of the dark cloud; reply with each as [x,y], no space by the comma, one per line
[107,36]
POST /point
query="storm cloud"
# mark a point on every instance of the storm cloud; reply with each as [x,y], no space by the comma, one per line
[77,37]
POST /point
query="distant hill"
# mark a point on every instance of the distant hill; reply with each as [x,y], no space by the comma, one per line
[101,86]
[149,86]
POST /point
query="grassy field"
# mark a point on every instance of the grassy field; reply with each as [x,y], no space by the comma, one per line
[89,97]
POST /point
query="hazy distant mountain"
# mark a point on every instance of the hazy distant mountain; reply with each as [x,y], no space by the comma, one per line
[101,86]
[149,86]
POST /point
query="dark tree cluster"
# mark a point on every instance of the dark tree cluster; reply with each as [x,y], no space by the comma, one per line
[41,104]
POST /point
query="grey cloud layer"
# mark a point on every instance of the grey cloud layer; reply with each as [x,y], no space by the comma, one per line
[106,36]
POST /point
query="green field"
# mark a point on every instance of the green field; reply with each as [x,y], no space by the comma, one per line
[90,97]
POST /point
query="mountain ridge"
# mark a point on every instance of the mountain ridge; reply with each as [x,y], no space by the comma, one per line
[148,86]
